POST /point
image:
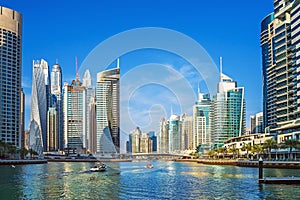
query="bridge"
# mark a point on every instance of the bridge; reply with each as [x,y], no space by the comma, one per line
[160,156]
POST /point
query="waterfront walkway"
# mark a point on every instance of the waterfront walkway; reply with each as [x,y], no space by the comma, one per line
[246,163]
[21,162]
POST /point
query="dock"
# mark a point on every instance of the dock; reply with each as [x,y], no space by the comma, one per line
[280,180]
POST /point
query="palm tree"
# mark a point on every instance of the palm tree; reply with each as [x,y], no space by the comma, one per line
[211,153]
[291,144]
[269,145]
[234,151]
[247,148]
[23,152]
[221,150]
[257,148]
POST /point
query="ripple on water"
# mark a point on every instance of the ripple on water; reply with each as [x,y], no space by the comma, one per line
[167,180]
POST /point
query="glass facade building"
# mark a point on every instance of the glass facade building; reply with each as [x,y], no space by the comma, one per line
[201,119]
[108,111]
[174,134]
[74,106]
[227,112]
[39,106]
[56,90]
[280,62]
[10,75]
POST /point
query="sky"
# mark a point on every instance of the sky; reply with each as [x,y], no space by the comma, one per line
[60,30]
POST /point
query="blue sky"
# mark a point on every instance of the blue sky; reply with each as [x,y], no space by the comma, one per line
[64,29]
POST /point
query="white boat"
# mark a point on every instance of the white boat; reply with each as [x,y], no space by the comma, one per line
[98,168]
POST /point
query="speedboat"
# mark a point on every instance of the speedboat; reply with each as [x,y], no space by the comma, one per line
[149,165]
[98,168]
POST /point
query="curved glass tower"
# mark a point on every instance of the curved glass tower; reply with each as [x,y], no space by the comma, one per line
[108,111]
[39,106]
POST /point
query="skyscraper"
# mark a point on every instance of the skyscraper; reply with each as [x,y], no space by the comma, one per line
[90,93]
[92,126]
[39,106]
[257,123]
[174,133]
[22,120]
[228,111]
[295,29]
[10,75]
[135,140]
[52,119]
[280,49]
[56,90]
[108,111]
[268,70]
[187,132]
[201,121]
[74,106]
[163,136]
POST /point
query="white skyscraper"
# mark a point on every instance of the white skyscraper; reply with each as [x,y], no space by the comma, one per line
[56,90]
[108,111]
[90,93]
[39,106]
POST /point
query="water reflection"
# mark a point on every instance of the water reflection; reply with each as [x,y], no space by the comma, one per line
[167,180]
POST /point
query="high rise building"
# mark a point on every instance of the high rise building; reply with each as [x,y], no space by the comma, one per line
[108,111]
[295,36]
[280,50]
[52,119]
[135,140]
[257,123]
[163,136]
[56,90]
[228,111]
[22,120]
[90,93]
[268,70]
[153,138]
[145,143]
[187,132]
[92,126]
[201,120]
[10,75]
[39,106]
[174,133]
[74,106]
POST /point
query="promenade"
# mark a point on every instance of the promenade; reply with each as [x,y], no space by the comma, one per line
[246,163]
[21,162]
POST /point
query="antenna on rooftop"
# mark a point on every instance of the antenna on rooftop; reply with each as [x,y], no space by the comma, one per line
[221,68]
[77,75]
[118,63]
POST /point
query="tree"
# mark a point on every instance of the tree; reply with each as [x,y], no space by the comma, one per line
[291,144]
[247,148]
[234,151]
[269,145]
[23,152]
[257,148]
[32,152]
[211,153]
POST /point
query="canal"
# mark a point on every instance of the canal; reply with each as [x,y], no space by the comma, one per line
[131,180]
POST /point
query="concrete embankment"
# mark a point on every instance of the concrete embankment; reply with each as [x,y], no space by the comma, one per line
[218,162]
[246,163]
[271,164]
[21,162]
